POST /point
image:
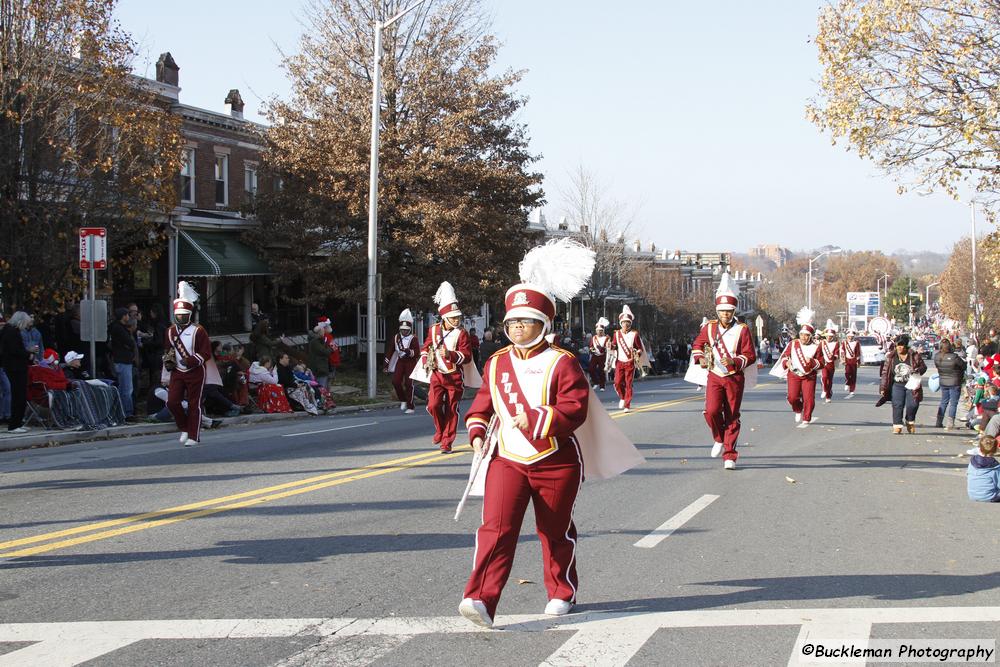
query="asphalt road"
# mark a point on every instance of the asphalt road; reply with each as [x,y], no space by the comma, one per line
[330,541]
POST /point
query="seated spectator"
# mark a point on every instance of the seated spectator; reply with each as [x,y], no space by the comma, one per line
[76,400]
[213,397]
[164,416]
[234,368]
[983,473]
[322,395]
[270,394]
[298,392]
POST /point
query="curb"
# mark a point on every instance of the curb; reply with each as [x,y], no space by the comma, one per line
[57,438]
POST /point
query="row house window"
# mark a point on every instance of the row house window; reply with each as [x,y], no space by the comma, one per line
[250,181]
[221,180]
[187,176]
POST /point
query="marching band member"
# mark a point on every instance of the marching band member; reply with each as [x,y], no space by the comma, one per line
[851,354]
[801,359]
[830,353]
[400,363]
[628,349]
[446,351]
[599,354]
[725,348]
[192,350]
[535,424]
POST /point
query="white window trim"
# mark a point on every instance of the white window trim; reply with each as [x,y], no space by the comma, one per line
[191,164]
[225,180]
[251,166]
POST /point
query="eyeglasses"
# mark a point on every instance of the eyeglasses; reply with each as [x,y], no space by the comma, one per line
[524,322]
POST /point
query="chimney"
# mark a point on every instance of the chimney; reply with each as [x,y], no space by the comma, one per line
[167,70]
[234,104]
[638,245]
[652,247]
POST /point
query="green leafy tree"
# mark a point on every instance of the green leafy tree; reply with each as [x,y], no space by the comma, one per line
[898,302]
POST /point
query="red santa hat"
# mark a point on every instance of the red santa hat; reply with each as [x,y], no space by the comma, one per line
[186,298]
[725,296]
[557,270]
[447,301]
[322,323]
[406,319]
[804,319]
[626,314]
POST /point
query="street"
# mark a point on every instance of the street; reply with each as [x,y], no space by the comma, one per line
[330,541]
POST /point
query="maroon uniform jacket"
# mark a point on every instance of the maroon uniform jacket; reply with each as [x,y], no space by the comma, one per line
[851,352]
[807,361]
[197,355]
[402,353]
[453,348]
[729,358]
[829,352]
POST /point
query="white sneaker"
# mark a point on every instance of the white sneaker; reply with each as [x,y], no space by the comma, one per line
[184,436]
[847,387]
[190,442]
[402,406]
[558,607]
[716,450]
[628,409]
[826,400]
[803,425]
[823,395]
[475,611]
[850,395]
[729,465]
[798,417]
[594,387]
[602,388]
[814,420]
[621,404]
[407,412]
[19,429]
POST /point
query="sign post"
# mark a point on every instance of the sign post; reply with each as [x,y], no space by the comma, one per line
[93,256]
[760,328]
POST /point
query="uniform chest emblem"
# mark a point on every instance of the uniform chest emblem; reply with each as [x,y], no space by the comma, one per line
[520,299]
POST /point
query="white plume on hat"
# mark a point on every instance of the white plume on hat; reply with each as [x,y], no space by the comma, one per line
[185,292]
[602,322]
[704,321]
[560,267]
[626,314]
[830,326]
[406,316]
[727,286]
[445,294]
[805,316]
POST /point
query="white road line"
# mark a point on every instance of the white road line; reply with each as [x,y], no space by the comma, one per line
[675,522]
[327,430]
[842,631]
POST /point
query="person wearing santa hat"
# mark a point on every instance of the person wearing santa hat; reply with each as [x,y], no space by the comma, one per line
[829,353]
[192,353]
[801,359]
[324,327]
[628,348]
[446,350]
[599,354]
[851,354]
[530,425]
[725,348]
[400,363]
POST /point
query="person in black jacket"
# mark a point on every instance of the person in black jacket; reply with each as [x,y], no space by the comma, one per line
[951,373]
[16,360]
[123,353]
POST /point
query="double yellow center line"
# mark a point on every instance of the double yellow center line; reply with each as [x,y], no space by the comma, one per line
[93,532]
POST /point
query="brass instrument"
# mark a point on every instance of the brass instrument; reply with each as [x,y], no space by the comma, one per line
[708,356]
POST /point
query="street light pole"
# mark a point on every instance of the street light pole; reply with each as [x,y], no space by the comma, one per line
[927,299]
[810,280]
[975,290]
[373,191]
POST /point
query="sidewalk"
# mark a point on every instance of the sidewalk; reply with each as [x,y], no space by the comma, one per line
[37,437]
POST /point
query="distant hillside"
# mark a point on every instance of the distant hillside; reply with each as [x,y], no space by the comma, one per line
[921,263]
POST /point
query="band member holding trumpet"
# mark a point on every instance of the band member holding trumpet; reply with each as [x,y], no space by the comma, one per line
[532,424]
[599,354]
[628,354]
[801,359]
[725,348]
[445,352]
[400,363]
[851,350]
[830,353]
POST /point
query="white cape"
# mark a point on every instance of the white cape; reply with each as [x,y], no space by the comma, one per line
[607,452]
[698,375]
[470,375]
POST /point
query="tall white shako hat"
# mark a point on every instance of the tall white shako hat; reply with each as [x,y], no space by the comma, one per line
[446,301]
[406,319]
[626,314]
[187,297]
[804,318]
[851,332]
[557,270]
[831,328]
[726,297]
[602,323]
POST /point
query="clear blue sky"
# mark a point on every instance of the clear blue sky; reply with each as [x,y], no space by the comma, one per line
[693,111]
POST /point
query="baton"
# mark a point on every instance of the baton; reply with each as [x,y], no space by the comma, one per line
[476,463]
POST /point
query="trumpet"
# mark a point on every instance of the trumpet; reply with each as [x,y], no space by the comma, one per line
[708,356]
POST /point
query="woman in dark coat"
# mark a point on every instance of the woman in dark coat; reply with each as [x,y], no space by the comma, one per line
[951,372]
[16,360]
[902,364]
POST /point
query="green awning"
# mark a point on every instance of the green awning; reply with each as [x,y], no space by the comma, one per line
[212,254]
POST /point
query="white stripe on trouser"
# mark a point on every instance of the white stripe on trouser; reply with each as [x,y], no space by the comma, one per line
[197,406]
[571,512]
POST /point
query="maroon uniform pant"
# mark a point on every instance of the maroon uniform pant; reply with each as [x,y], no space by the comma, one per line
[402,383]
[442,402]
[597,375]
[723,397]
[802,394]
[828,371]
[624,374]
[186,386]
[851,376]
[551,485]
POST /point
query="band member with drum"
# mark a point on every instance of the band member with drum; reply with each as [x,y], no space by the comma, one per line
[725,348]
[192,352]
[599,354]
[446,350]
[830,352]
[801,359]
[628,350]
[405,352]
[532,424]
[851,354]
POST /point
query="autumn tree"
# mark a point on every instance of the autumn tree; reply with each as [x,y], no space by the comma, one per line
[601,223]
[783,293]
[682,308]
[82,141]
[455,179]
[957,283]
[848,272]
[912,86]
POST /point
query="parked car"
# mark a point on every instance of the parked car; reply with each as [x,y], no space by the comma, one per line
[871,351]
